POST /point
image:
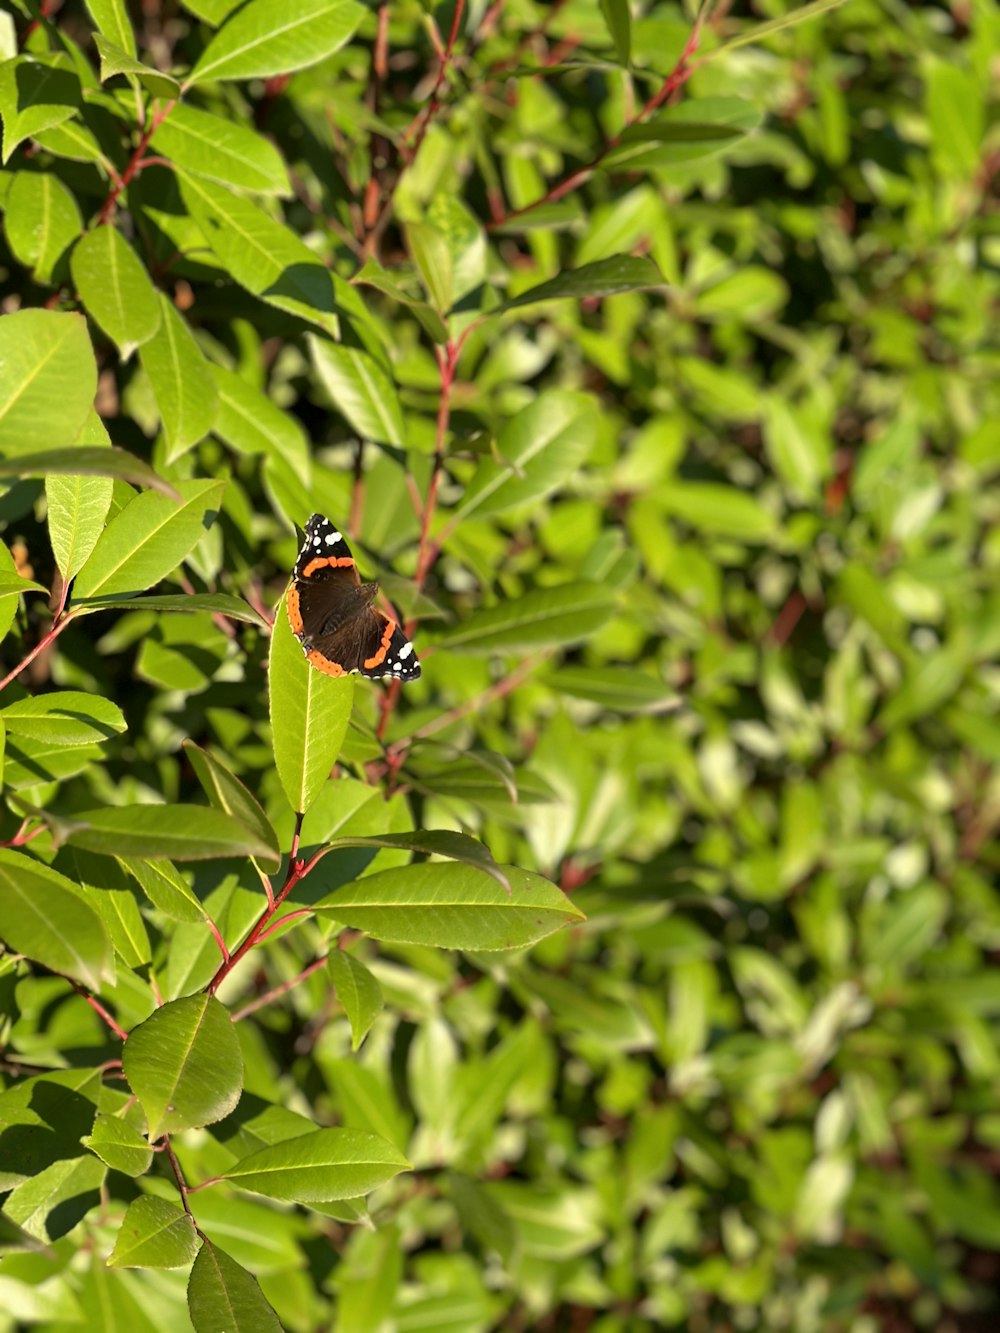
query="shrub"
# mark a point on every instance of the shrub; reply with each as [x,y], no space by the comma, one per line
[643,354]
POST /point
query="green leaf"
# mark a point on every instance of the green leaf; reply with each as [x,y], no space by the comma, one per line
[155,1233]
[955,113]
[184,1065]
[216,603]
[269,37]
[115,288]
[51,1204]
[77,508]
[91,461]
[46,919]
[326,1164]
[111,18]
[358,992]
[120,1146]
[12,585]
[116,61]
[68,717]
[360,390]
[148,539]
[42,221]
[758,32]
[452,906]
[538,619]
[251,423]
[226,792]
[165,887]
[221,150]
[539,449]
[618,17]
[309,716]
[165,832]
[605,277]
[721,510]
[620,689]
[36,92]
[49,379]
[799,452]
[224,1298]
[431,842]
[429,249]
[266,258]
[683,133]
[181,381]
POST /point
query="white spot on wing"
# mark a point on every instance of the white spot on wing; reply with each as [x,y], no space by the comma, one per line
[397,666]
[405,651]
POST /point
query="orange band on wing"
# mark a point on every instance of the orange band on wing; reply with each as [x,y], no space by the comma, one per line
[324,664]
[332,562]
[294,610]
[379,657]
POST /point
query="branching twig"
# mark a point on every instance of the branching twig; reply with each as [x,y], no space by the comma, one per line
[134,163]
[277,991]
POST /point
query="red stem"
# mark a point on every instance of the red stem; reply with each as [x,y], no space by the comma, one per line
[277,992]
[134,163]
[99,1009]
[55,629]
[433,106]
[296,870]
[428,550]
[175,1166]
[674,80]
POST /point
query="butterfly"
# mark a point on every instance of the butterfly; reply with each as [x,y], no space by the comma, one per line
[331,613]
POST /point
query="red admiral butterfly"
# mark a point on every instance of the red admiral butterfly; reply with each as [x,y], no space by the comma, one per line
[332,616]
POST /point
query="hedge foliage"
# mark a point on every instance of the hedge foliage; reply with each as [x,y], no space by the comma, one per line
[634,968]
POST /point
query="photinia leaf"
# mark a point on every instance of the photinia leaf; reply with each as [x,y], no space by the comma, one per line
[42,221]
[181,381]
[36,92]
[164,832]
[269,37]
[49,379]
[358,992]
[88,461]
[217,603]
[309,716]
[119,1145]
[66,717]
[326,1164]
[605,277]
[155,1233]
[45,918]
[221,150]
[148,539]
[359,390]
[184,1064]
[224,1298]
[226,792]
[115,288]
[452,906]
[538,619]
[433,842]
[116,61]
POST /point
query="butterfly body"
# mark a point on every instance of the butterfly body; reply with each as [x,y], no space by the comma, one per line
[331,613]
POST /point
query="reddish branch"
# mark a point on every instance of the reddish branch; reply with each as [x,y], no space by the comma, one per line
[423,120]
[674,81]
[277,991]
[99,1009]
[134,164]
[297,869]
[55,629]
[428,549]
